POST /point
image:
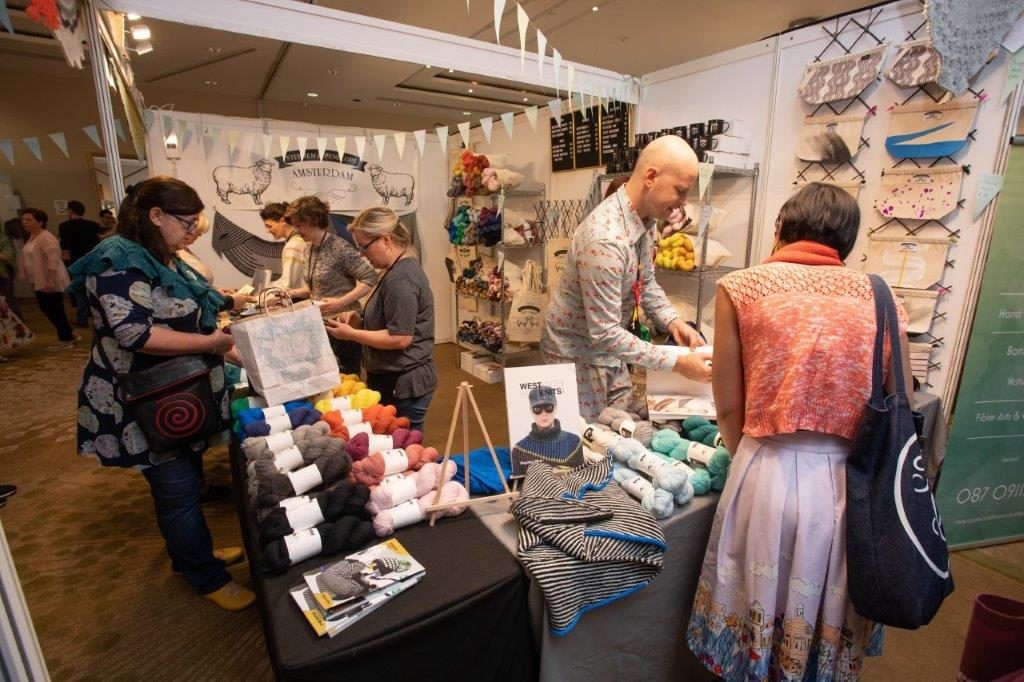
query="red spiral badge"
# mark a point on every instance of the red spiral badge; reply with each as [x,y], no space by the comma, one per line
[179,415]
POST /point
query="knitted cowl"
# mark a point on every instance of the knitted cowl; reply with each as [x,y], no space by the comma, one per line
[551,445]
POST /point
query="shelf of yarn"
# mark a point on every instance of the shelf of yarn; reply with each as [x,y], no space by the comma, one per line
[477,297]
[509,354]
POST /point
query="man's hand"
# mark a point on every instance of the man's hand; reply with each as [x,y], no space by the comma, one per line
[684,334]
[696,366]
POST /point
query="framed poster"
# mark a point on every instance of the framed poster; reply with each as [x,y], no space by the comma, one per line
[543,416]
[562,158]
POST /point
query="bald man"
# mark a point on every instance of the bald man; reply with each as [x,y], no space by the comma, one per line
[612,256]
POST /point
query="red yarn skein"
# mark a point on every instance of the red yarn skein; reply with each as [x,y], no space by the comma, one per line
[372,469]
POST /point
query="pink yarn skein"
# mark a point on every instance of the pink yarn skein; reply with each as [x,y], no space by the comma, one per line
[426,479]
[371,470]
[384,523]
[359,446]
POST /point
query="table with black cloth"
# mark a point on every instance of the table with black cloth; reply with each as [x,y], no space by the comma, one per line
[639,637]
[467,619]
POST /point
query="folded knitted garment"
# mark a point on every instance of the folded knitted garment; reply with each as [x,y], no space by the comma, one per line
[584,541]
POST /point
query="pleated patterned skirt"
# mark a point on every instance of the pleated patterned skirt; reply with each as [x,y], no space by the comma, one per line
[771,602]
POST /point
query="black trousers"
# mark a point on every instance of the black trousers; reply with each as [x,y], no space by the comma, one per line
[52,305]
[349,354]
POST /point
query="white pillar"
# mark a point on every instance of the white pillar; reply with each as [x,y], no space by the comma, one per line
[97,60]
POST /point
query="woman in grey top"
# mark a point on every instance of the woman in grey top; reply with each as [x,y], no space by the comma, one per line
[335,274]
[397,327]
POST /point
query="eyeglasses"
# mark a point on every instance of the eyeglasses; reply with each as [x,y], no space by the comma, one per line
[367,245]
[190,225]
[537,409]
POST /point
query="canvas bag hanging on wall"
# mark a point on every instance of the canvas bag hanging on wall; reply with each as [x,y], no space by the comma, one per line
[920,308]
[555,252]
[831,139]
[929,130]
[917,63]
[841,78]
[906,261]
[287,354]
[851,187]
[919,193]
[529,304]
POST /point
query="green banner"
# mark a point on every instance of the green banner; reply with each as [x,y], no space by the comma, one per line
[981,492]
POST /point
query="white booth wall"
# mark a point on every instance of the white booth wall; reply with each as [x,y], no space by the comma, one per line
[747,83]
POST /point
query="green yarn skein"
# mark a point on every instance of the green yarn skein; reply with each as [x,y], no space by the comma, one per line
[664,441]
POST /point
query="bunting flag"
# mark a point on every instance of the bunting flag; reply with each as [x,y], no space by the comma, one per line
[147,119]
[524,22]
[360,146]
[464,132]
[704,173]
[60,141]
[555,106]
[506,120]
[542,47]
[421,140]
[33,146]
[400,143]
[442,137]
[302,146]
[245,147]
[267,141]
[7,147]
[321,147]
[378,142]
[568,86]
[5,17]
[339,144]
[583,109]
[556,61]
[119,129]
[186,136]
[168,124]
[93,135]
[180,128]
[499,9]
[232,138]
[283,142]
[487,125]
[531,116]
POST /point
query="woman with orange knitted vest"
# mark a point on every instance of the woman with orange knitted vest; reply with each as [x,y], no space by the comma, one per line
[791,373]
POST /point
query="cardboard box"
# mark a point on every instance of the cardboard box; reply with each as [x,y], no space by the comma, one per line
[491,372]
[740,161]
[732,145]
[469,360]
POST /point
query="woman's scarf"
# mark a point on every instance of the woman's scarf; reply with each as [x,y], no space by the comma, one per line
[806,253]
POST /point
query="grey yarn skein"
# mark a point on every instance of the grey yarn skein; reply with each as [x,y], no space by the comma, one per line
[312,450]
[275,487]
[256,446]
[614,417]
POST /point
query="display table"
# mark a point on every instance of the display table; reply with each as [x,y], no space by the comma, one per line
[467,618]
[640,637]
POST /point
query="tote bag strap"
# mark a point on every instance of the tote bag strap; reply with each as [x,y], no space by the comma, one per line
[885,318]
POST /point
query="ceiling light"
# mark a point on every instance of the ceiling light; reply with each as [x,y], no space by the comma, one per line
[214,50]
[395,104]
[312,94]
[143,47]
[471,90]
[211,82]
[526,99]
[451,70]
[427,66]
[133,17]
[332,72]
[594,8]
[467,113]
[140,32]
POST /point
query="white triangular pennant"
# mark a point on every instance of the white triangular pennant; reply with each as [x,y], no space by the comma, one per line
[988,187]
[360,146]
[442,137]
[572,75]
[400,143]
[531,116]
[499,9]
[421,140]
[7,147]
[339,144]
[378,142]
[704,173]
[33,146]
[60,141]
[232,139]
[168,124]
[487,125]
[464,132]
[214,134]
[93,135]
[245,146]
[267,141]
[119,130]
[321,147]
[186,136]
[303,141]
[556,61]
[283,141]
[180,126]
[542,47]
[507,121]
[555,106]
[524,22]
[583,109]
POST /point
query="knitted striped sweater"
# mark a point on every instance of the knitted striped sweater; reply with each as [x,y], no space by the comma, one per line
[584,540]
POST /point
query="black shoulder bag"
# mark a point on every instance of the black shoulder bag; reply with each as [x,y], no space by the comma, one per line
[896,554]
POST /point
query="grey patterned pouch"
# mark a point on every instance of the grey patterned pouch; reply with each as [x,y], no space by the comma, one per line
[917,63]
[841,78]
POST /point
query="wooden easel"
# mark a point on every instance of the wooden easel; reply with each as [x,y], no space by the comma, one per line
[462,403]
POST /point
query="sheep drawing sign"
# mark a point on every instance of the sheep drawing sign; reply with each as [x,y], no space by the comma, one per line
[346,182]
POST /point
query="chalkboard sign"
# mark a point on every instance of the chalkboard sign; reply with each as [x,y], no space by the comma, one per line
[587,143]
[561,145]
[614,130]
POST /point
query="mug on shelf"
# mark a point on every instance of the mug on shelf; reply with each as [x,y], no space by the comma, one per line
[718,126]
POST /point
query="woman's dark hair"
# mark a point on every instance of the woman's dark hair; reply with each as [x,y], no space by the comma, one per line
[166,193]
[311,211]
[614,186]
[37,213]
[274,211]
[821,213]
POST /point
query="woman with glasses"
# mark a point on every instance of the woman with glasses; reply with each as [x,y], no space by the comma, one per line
[546,442]
[397,328]
[293,257]
[147,304]
[335,274]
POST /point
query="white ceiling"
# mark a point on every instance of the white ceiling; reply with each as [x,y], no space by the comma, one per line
[628,36]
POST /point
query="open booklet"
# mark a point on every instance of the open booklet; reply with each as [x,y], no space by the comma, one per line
[672,396]
[360,608]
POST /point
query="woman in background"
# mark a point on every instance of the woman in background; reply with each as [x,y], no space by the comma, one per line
[293,257]
[42,266]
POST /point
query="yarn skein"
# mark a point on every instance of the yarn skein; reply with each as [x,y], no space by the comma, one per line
[329,468]
[363,445]
[372,469]
[699,479]
[300,416]
[349,384]
[389,520]
[417,484]
[239,404]
[256,414]
[346,534]
[643,431]
[311,451]
[345,499]
[258,446]
[658,502]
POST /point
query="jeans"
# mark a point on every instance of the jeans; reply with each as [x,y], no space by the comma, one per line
[175,486]
[52,305]
[414,408]
[349,354]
